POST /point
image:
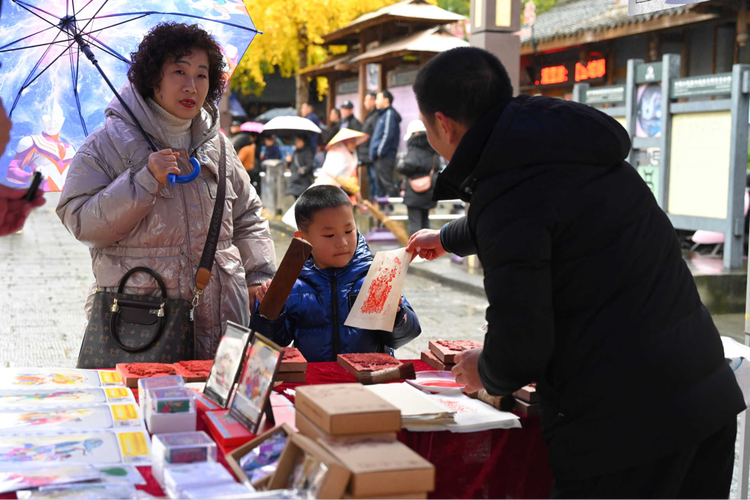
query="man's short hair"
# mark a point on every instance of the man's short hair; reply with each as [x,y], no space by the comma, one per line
[315,199]
[372,94]
[462,83]
[387,95]
[337,111]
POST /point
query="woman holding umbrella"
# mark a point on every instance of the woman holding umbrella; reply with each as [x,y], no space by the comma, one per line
[117,199]
[301,165]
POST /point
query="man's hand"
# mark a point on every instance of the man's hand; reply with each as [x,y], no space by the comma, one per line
[162,163]
[262,290]
[466,370]
[289,158]
[426,244]
[5,126]
[14,210]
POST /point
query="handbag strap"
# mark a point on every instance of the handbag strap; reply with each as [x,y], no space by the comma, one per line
[147,271]
[203,276]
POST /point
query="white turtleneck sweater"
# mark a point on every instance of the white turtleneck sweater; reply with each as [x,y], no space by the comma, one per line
[177,131]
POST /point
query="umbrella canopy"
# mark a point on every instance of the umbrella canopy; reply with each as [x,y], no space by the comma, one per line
[273,113]
[254,127]
[291,124]
[54,93]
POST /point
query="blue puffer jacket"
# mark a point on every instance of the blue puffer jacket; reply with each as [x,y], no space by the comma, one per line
[314,315]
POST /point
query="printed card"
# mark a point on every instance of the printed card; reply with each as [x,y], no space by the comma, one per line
[51,397]
[14,421]
[24,378]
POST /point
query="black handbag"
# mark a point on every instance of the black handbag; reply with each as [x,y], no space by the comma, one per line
[127,328]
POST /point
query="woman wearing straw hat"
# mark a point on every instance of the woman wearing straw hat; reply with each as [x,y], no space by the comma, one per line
[420,165]
[340,166]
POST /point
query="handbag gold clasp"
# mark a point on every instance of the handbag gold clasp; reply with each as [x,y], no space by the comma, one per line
[115,308]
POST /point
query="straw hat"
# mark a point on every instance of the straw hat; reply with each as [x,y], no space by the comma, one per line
[415,126]
[346,134]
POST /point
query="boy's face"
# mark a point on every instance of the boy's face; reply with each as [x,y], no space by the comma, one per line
[184,85]
[333,236]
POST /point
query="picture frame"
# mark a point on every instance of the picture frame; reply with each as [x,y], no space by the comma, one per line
[252,398]
[227,364]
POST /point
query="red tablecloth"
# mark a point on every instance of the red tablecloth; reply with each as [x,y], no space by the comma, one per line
[500,463]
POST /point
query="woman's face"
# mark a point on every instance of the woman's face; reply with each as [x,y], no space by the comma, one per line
[184,85]
[351,145]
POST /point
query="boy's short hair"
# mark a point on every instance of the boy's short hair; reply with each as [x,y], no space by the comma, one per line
[315,199]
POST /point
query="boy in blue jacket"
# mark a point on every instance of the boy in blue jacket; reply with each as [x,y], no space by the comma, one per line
[328,285]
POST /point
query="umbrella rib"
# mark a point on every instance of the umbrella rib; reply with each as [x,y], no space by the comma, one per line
[28,36]
[2,51]
[49,65]
[26,83]
[99,30]
[19,2]
[74,75]
[107,50]
[94,16]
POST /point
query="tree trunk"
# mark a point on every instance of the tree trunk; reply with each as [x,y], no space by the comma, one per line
[303,86]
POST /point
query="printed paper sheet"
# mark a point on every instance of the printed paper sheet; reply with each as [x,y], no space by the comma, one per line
[51,397]
[25,378]
[377,303]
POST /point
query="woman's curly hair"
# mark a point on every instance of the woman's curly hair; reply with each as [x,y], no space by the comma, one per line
[168,42]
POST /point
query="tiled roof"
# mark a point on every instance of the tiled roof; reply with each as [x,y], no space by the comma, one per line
[573,18]
[431,40]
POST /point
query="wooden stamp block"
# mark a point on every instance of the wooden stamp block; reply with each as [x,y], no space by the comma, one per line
[293,361]
[194,371]
[131,372]
[432,360]
[446,350]
[367,362]
[527,394]
[525,409]
[292,377]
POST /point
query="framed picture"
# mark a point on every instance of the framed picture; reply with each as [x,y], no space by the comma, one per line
[252,397]
[227,364]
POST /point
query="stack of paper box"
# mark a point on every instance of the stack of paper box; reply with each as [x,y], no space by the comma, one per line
[358,428]
[418,411]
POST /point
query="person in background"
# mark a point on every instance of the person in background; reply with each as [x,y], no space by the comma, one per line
[420,166]
[306,111]
[340,167]
[368,127]
[13,209]
[247,155]
[348,120]
[384,142]
[334,124]
[301,165]
[272,151]
[234,128]
[238,137]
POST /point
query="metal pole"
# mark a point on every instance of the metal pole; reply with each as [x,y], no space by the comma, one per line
[630,105]
[670,69]
[735,224]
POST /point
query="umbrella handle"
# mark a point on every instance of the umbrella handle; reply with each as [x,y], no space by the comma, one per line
[184,179]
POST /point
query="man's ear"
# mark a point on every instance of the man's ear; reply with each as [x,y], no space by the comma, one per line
[448,127]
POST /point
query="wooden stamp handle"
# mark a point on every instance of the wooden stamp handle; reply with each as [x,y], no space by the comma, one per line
[288,272]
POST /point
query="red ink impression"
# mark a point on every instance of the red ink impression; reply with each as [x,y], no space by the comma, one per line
[380,290]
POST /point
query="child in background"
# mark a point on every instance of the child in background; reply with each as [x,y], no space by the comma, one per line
[328,285]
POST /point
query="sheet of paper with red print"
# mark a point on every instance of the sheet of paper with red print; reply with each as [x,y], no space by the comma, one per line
[377,303]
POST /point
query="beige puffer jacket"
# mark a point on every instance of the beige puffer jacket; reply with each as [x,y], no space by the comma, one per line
[113,203]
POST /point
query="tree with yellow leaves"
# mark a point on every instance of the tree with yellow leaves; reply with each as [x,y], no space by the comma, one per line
[292,38]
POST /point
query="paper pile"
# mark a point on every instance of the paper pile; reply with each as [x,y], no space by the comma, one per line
[435,412]
[418,411]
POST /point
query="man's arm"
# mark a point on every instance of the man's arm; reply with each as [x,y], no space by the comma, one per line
[456,238]
[376,139]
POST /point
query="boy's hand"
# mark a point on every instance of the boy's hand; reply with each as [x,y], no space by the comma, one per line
[162,163]
[262,290]
[426,244]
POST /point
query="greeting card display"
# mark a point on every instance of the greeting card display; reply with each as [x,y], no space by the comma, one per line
[99,447]
[52,397]
[227,364]
[84,418]
[20,378]
[251,399]
[14,480]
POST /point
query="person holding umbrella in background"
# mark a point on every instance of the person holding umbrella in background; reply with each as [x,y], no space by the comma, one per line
[301,165]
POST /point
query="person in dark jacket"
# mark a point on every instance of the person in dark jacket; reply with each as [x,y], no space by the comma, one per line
[334,124]
[272,151]
[384,142]
[314,315]
[421,161]
[301,165]
[363,152]
[588,293]
[307,112]
[348,120]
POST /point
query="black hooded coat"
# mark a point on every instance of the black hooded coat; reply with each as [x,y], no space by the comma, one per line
[589,295]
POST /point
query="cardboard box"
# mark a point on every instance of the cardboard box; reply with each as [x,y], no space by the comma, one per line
[233,458]
[432,360]
[293,361]
[225,430]
[292,377]
[446,350]
[336,479]
[346,409]
[525,409]
[307,428]
[204,404]
[381,467]
[527,394]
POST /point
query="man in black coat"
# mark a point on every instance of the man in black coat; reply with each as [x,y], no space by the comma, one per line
[348,120]
[363,151]
[588,293]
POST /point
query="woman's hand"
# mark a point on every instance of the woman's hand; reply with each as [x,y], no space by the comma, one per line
[162,163]
[288,158]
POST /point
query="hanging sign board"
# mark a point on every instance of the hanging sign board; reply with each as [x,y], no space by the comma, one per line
[648,73]
[605,95]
